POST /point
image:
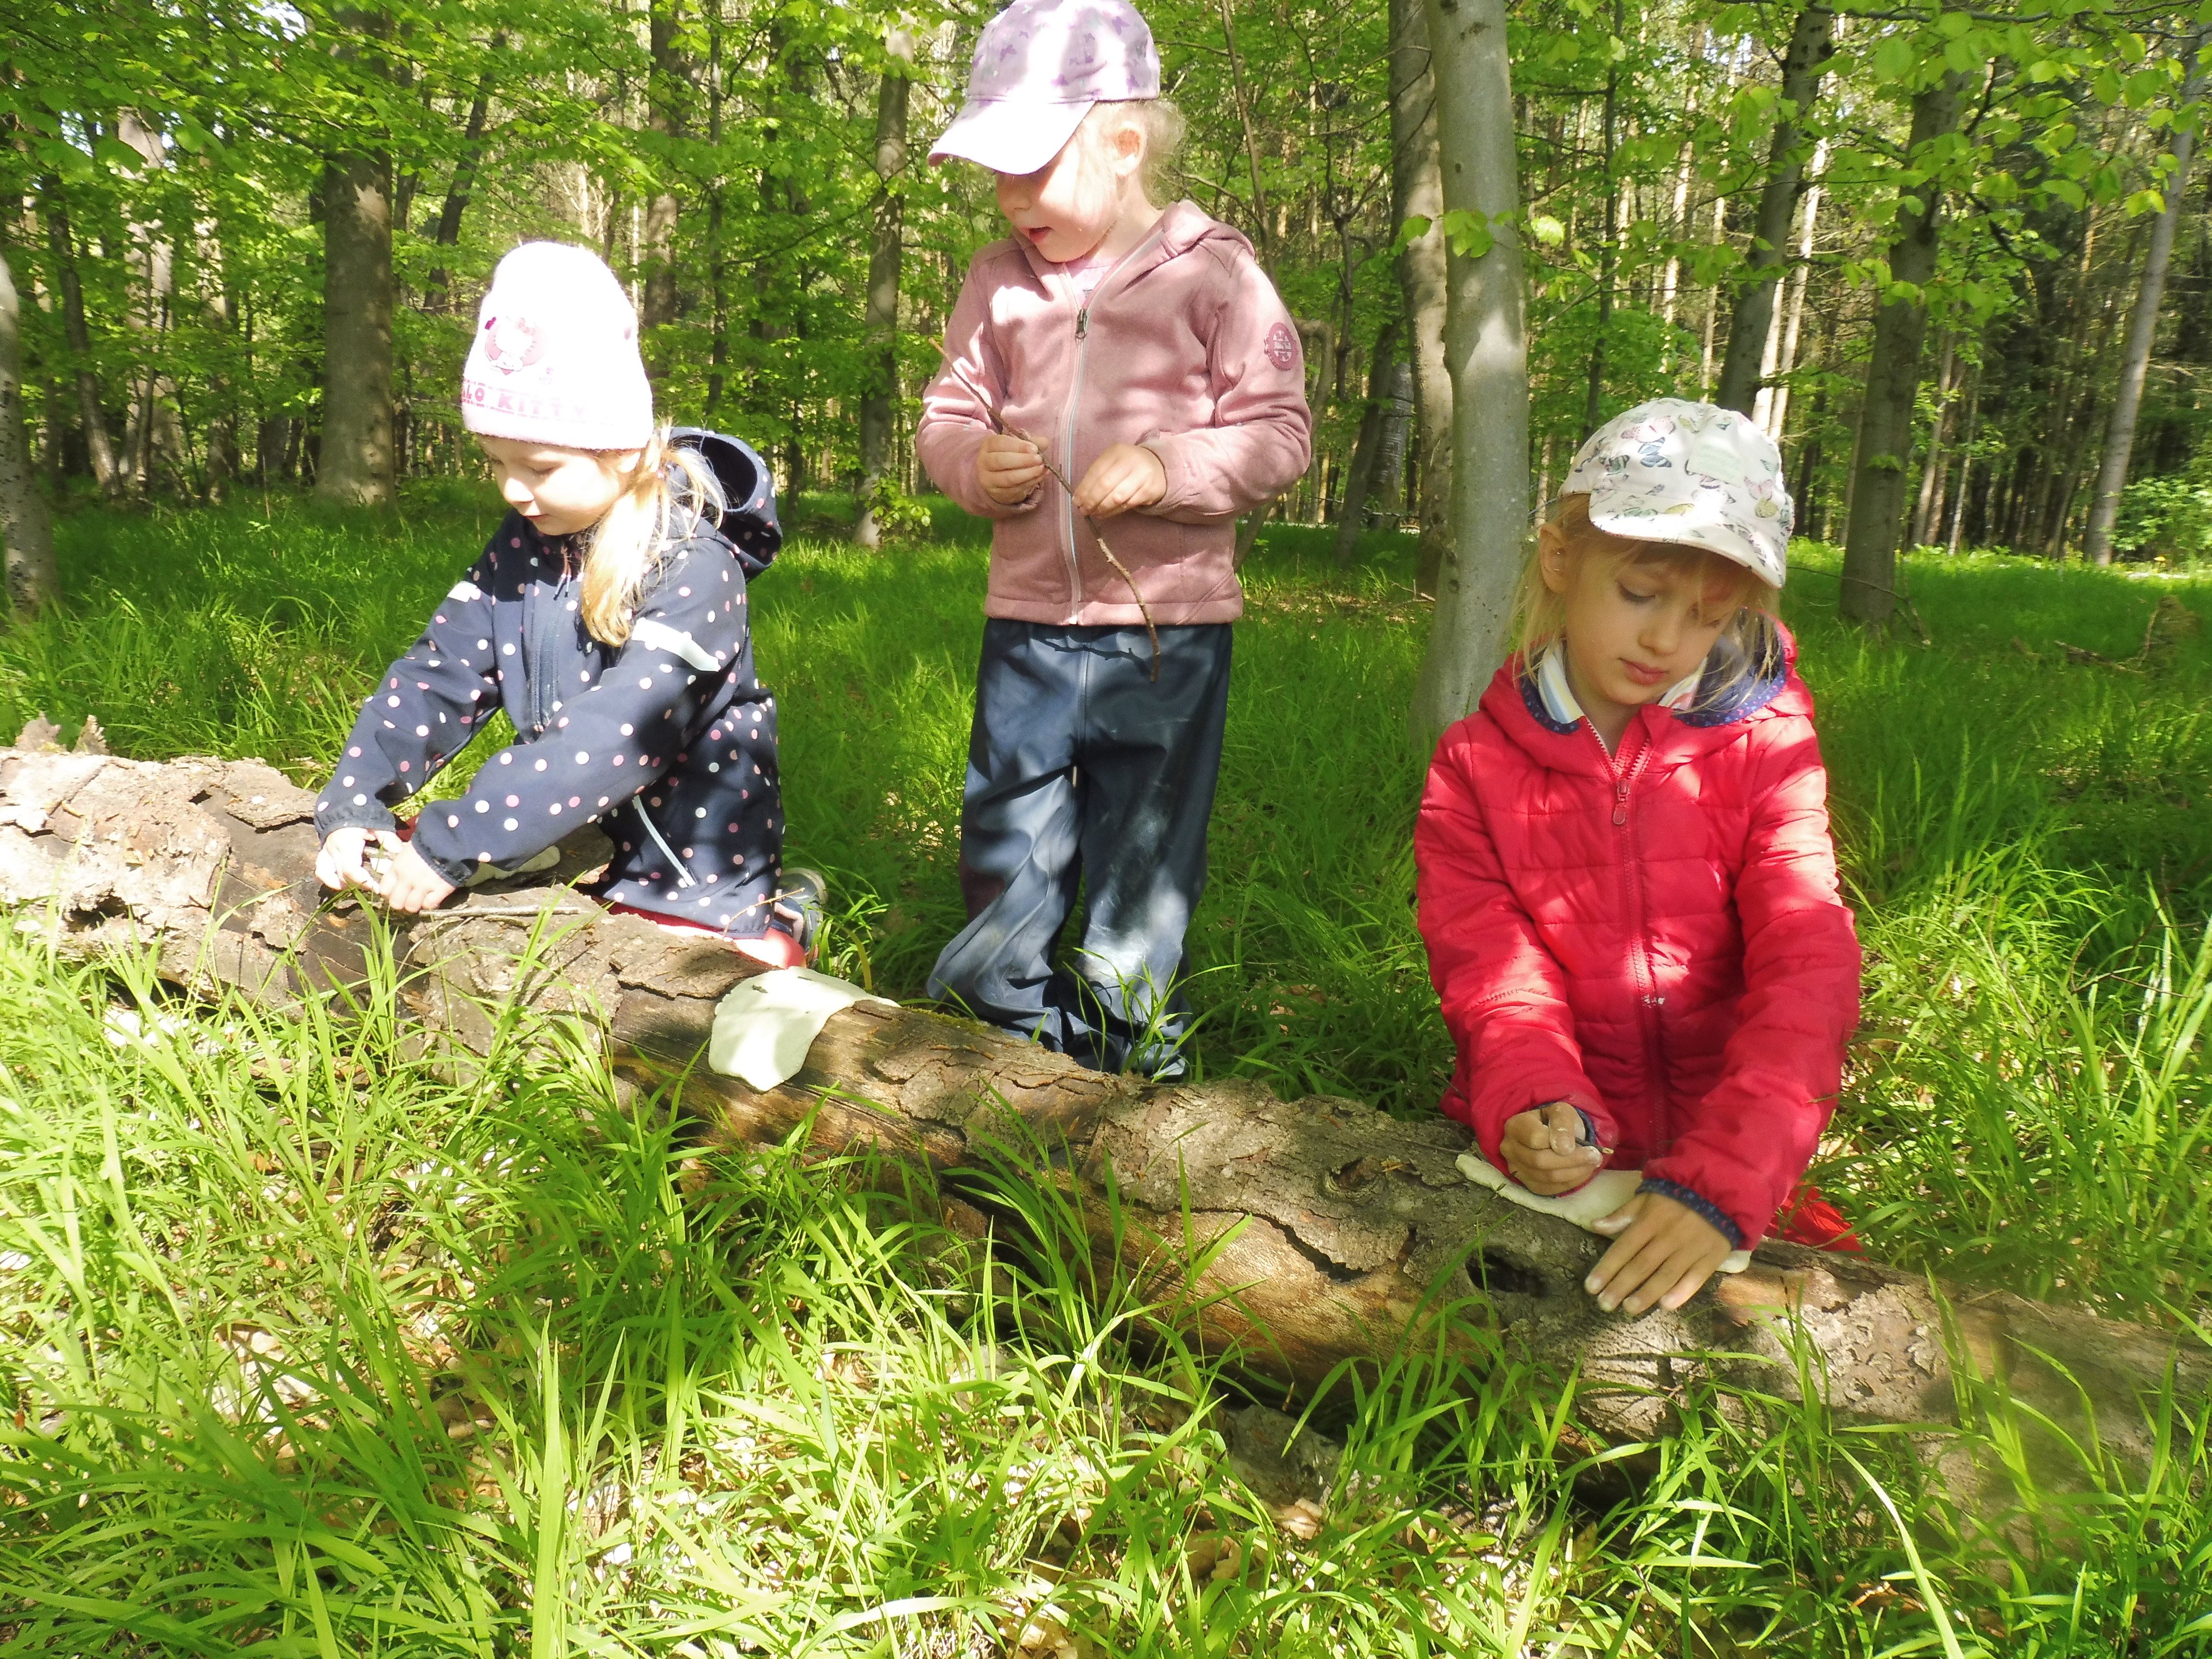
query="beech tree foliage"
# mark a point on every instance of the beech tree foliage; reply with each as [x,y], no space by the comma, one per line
[249,240]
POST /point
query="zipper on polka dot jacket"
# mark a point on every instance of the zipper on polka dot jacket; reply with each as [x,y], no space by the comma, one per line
[667,741]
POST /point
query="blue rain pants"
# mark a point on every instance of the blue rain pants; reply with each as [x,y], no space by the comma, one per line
[1083,773]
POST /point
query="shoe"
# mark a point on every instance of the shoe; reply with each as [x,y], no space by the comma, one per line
[803,903]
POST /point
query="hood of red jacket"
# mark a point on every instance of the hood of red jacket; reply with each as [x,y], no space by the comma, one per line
[1675,736]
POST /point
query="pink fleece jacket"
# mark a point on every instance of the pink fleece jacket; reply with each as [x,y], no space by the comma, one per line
[1184,348]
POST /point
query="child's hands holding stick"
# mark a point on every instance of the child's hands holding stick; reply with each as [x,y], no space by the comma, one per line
[1126,478]
[395,873]
[1662,1253]
[1008,468]
[1545,1149]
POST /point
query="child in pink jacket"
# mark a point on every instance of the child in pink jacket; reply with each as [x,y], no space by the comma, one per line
[1119,382]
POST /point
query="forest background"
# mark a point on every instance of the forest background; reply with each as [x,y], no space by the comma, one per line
[250,239]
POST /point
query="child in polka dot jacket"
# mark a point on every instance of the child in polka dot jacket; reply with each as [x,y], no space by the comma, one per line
[608,617]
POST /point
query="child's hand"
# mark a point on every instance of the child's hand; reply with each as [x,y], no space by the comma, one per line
[1544,1150]
[1121,480]
[1008,468]
[409,883]
[343,862]
[1662,1253]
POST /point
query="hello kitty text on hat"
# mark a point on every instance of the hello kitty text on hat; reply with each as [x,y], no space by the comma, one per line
[1040,66]
[1672,471]
[555,360]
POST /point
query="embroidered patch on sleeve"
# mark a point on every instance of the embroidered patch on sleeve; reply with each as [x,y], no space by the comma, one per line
[1281,346]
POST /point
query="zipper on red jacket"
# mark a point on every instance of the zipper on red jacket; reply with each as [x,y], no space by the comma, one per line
[1647,982]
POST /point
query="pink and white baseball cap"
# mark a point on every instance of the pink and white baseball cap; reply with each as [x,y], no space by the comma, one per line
[555,360]
[1039,68]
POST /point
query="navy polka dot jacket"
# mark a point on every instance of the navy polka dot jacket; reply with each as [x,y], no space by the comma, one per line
[669,741]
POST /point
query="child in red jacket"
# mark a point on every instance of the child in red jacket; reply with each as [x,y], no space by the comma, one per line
[1627,886]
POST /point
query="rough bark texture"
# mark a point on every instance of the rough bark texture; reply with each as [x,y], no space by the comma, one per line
[1811,45]
[1416,191]
[354,465]
[90,413]
[33,581]
[2143,330]
[1892,382]
[886,255]
[1333,1230]
[1486,351]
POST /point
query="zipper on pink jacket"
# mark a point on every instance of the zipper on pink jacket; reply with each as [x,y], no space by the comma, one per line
[1075,402]
[1647,982]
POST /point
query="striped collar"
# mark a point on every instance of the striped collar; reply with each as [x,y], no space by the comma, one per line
[1560,701]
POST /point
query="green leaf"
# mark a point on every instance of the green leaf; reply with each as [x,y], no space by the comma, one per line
[115,154]
[1895,58]
[1966,56]
[1546,229]
[1468,232]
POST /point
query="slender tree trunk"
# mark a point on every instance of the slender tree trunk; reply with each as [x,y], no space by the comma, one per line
[354,464]
[1367,450]
[667,100]
[718,259]
[99,447]
[1964,500]
[1811,45]
[1785,365]
[1934,464]
[886,254]
[1885,441]
[1487,348]
[1264,231]
[1416,191]
[437,290]
[2142,327]
[33,580]
[154,259]
[1608,130]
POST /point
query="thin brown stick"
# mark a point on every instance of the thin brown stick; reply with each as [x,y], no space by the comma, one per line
[1060,477]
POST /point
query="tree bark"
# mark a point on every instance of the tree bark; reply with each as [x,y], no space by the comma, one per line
[1929,508]
[2143,326]
[90,414]
[1876,512]
[1811,46]
[1416,191]
[667,99]
[1367,449]
[437,289]
[1301,1235]
[33,580]
[1486,351]
[886,254]
[355,463]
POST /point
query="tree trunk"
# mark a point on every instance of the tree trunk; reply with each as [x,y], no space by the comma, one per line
[1811,45]
[154,258]
[1930,506]
[1876,511]
[1608,131]
[90,414]
[437,289]
[1302,1237]
[1416,191]
[1367,450]
[2142,327]
[1775,400]
[355,465]
[1487,350]
[667,100]
[886,254]
[33,580]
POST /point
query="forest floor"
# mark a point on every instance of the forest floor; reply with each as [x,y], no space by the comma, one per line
[318,1351]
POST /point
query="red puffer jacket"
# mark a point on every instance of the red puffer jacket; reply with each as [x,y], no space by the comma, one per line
[1655,936]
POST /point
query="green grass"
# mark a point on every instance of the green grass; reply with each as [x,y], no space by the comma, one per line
[322,1346]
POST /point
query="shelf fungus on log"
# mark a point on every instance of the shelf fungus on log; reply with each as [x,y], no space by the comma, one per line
[1325,1232]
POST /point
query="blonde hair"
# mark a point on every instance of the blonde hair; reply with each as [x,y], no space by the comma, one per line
[628,541]
[1540,615]
[1156,120]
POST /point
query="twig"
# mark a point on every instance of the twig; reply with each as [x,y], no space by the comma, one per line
[1150,630]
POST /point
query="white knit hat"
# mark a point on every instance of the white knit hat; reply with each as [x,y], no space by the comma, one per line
[555,360]
[1672,471]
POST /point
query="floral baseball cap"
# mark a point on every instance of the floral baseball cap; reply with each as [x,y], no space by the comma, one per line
[1672,471]
[1039,67]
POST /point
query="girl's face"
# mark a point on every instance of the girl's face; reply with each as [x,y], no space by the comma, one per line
[1634,627]
[1068,208]
[560,491]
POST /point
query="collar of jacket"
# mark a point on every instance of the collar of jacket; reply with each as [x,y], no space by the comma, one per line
[1514,700]
[1182,228]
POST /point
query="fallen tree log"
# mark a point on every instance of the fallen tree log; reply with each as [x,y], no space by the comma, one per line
[1325,1232]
